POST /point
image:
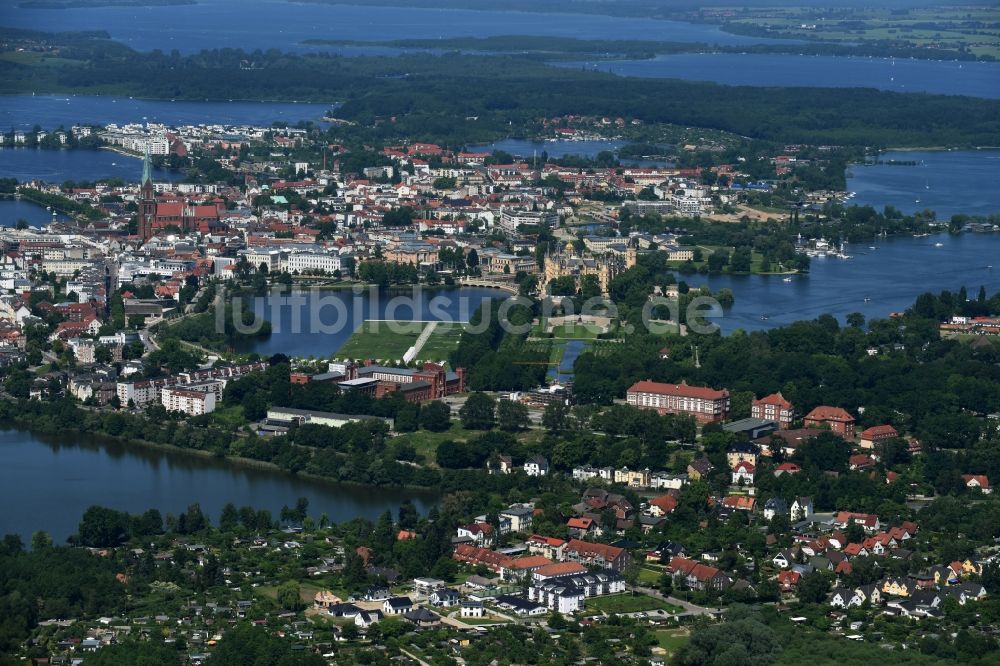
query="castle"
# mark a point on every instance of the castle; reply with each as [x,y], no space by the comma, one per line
[569,263]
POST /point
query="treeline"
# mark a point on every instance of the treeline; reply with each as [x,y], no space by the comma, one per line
[61,203]
[461,98]
[936,389]
[498,360]
[551,48]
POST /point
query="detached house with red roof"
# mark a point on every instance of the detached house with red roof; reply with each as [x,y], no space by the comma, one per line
[838,420]
[980,481]
[775,408]
[705,404]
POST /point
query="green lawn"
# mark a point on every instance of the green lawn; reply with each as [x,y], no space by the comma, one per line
[627,603]
[443,341]
[229,416]
[389,341]
[649,576]
[573,331]
[672,640]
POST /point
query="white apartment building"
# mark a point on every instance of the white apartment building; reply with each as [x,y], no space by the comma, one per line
[190,401]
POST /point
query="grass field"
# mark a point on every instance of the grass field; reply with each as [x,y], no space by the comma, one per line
[649,576]
[672,640]
[389,341]
[574,331]
[627,603]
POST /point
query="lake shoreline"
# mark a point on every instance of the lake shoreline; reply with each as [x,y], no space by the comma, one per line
[104,439]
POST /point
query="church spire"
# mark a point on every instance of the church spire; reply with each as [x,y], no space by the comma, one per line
[147,169]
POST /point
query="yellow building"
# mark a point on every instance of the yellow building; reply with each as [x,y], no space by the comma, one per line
[570,263]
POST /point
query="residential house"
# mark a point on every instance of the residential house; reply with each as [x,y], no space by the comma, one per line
[481,534]
[445,597]
[743,473]
[536,466]
[581,527]
[742,452]
[699,468]
[979,482]
[365,619]
[662,505]
[802,508]
[698,576]
[775,507]
[397,605]
[516,518]
[472,609]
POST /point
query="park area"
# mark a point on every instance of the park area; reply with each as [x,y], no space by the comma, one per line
[388,341]
[627,603]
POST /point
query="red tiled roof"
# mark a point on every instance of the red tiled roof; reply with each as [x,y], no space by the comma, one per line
[682,390]
[826,413]
[530,562]
[561,569]
[879,431]
[774,399]
[588,549]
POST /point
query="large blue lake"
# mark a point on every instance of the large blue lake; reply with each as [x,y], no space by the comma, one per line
[58,166]
[275,24]
[263,24]
[945,181]
[975,79]
[890,277]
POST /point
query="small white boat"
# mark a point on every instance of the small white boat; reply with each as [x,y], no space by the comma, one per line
[787,279]
[938,244]
[872,247]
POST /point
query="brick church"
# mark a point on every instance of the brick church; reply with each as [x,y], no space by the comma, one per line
[173,213]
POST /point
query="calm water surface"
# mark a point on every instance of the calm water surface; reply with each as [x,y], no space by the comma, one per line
[59,165]
[974,79]
[46,483]
[263,24]
[945,181]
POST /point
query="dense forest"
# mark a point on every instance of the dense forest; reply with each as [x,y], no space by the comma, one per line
[462,98]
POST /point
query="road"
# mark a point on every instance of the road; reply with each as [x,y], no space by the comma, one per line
[689,608]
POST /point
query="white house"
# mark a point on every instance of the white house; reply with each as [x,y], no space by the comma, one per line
[743,473]
[536,466]
[802,508]
[397,605]
[472,609]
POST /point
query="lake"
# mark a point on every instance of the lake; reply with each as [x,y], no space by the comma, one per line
[338,312]
[12,210]
[58,166]
[53,111]
[975,79]
[263,24]
[47,482]
[891,277]
[945,181]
